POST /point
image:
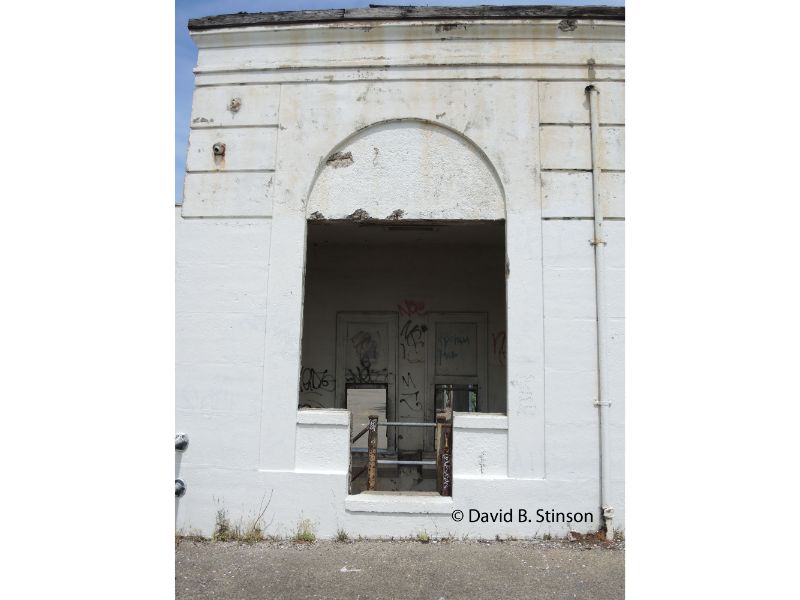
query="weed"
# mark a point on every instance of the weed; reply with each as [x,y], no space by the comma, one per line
[223,532]
[341,536]
[250,535]
[547,537]
[423,537]
[305,531]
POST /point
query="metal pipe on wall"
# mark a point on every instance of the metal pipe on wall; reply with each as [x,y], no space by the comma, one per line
[599,243]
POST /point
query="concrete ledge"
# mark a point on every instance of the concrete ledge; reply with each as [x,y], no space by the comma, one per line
[395,13]
[479,421]
[323,416]
[399,502]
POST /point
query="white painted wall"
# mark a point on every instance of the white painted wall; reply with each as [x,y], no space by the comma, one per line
[508,99]
[220,280]
[422,169]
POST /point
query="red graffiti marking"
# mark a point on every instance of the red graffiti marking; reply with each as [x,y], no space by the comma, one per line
[411,308]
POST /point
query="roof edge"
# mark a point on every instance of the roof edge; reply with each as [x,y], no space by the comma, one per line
[397,13]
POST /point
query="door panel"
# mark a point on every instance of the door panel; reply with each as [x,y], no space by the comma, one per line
[366,354]
[456,352]
[457,355]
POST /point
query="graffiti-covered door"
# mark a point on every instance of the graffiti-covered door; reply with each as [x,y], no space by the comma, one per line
[366,354]
[457,361]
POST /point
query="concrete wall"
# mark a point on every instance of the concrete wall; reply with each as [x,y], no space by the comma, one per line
[507,102]
[221,282]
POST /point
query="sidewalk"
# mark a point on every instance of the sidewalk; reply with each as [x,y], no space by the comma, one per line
[399,569]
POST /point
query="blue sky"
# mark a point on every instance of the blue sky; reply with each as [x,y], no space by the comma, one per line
[186,52]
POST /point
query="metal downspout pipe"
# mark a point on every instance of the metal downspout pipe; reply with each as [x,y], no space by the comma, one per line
[599,242]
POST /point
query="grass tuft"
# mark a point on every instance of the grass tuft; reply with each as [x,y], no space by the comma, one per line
[225,532]
[305,532]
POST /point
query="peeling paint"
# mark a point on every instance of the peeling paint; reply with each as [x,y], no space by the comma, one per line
[359,215]
[449,27]
[568,25]
[340,159]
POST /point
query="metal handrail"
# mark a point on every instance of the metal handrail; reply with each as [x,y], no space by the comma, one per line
[443,460]
[354,439]
[360,433]
[359,474]
[404,424]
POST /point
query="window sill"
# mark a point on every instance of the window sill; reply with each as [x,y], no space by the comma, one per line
[323,416]
[399,502]
[463,420]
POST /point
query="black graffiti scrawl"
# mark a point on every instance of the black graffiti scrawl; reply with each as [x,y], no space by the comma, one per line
[412,341]
[366,350]
[314,381]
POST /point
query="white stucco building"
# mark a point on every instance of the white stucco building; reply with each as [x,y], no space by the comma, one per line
[401,203]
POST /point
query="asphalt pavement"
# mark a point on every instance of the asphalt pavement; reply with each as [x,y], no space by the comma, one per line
[371,569]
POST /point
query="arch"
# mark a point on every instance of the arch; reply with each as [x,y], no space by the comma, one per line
[406,168]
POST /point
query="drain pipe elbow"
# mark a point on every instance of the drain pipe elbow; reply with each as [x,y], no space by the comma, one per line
[181,442]
[608,519]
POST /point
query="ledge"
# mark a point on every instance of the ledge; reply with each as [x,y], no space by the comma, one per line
[323,416]
[395,13]
[399,502]
[479,421]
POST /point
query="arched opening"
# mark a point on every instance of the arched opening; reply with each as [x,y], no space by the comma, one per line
[404,302]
